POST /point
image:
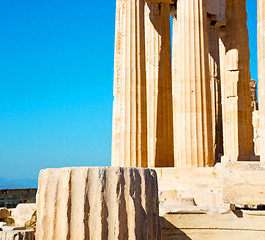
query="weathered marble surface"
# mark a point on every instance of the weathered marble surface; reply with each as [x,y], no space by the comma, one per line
[98,203]
[23,213]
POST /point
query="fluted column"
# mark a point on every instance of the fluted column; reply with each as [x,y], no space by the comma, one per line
[129,136]
[261,67]
[159,85]
[98,203]
[238,130]
[193,143]
[215,84]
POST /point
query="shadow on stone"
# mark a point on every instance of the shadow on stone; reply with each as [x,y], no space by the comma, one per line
[171,232]
[238,213]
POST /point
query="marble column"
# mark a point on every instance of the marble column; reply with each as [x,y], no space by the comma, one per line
[261,71]
[215,84]
[193,140]
[129,134]
[159,85]
[237,121]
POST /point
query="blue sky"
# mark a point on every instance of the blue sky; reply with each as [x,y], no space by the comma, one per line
[56,78]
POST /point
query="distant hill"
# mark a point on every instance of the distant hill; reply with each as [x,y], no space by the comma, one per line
[18,184]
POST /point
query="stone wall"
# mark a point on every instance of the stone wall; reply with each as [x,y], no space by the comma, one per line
[212,188]
[224,202]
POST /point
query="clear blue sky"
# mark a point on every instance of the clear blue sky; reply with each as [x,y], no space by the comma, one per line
[56,78]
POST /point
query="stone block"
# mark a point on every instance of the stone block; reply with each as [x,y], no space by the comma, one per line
[4,213]
[187,173]
[23,213]
[196,186]
[227,183]
[98,203]
[244,183]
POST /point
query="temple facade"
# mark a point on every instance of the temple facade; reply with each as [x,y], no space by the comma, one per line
[182,83]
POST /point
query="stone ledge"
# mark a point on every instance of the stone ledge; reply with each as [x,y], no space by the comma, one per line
[239,183]
[228,225]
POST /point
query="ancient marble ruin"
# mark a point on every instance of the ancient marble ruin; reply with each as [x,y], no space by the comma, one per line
[18,223]
[188,130]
